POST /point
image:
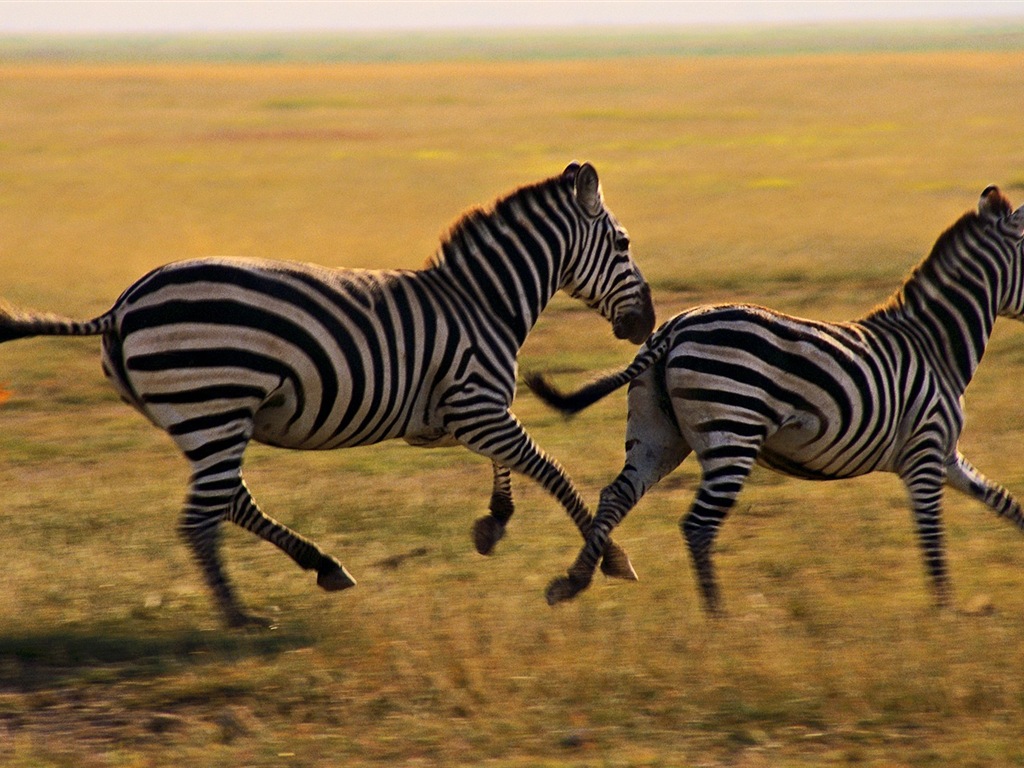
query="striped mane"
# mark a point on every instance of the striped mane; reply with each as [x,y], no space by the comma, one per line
[458,240]
[939,266]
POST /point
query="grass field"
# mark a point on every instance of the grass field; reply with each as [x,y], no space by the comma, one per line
[809,182]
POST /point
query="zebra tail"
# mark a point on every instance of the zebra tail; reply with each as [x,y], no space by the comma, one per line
[21,325]
[570,403]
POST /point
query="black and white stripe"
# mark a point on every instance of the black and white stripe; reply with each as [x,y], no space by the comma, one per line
[219,352]
[740,385]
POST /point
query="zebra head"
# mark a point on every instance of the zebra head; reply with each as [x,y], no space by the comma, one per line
[1006,228]
[601,273]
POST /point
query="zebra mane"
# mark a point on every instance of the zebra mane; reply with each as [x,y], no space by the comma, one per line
[940,262]
[456,239]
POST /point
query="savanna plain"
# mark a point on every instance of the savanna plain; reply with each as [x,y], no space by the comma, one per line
[810,182]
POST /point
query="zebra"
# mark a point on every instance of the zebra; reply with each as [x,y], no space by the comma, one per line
[219,352]
[741,384]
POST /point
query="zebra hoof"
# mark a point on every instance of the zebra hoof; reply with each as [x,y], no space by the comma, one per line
[616,565]
[565,588]
[487,532]
[334,578]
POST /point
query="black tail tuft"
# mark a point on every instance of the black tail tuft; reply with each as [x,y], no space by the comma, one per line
[539,384]
[572,402]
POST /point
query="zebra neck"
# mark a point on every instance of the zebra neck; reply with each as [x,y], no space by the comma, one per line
[507,282]
[948,317]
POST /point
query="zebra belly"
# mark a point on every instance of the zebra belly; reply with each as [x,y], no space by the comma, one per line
[430,438]
[794,451]
[274,423]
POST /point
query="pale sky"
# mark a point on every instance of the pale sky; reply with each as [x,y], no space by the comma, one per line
[135,16]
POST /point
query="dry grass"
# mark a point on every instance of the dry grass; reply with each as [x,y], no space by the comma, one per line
[811,183]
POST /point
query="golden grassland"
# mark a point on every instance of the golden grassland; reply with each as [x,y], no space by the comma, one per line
[808,182]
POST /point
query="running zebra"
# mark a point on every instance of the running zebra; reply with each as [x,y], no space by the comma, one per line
[219,352]
[741,384]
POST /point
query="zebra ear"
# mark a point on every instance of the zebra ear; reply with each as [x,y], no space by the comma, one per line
[588,190]
[993,203]
[1018,219]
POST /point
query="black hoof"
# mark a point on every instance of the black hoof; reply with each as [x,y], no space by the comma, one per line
[565,588]
[615,563]
[334,578]
[487,532]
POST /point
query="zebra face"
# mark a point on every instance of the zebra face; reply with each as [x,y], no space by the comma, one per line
[604,275]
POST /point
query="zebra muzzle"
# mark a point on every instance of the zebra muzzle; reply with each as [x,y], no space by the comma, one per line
[637,322]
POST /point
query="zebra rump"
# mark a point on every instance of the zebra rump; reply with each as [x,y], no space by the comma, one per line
[220,352]
[740,384]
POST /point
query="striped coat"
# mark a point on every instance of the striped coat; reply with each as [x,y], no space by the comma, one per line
[738,385]
[220,352]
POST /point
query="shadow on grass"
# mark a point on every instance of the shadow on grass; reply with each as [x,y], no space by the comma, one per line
[31,662]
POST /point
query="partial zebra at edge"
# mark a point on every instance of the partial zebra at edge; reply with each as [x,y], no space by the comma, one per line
[742,384]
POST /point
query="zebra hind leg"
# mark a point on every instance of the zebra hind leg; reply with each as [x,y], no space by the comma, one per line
[654,448]
[217,492]
[724,471]
[489,529]
[200,527]
[331,575]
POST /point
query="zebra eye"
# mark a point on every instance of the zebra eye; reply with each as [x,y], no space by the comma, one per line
[622,242]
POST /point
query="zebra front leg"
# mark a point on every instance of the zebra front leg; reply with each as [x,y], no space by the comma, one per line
[924,479]
[502,439]
[962,475]
[489,529]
